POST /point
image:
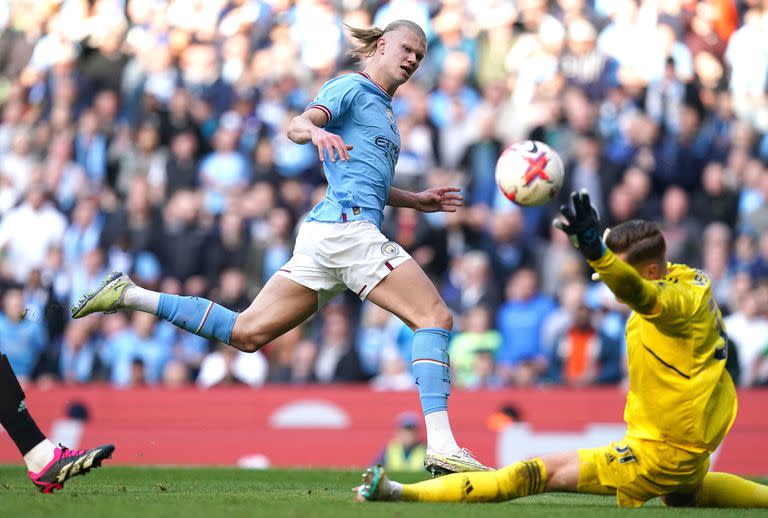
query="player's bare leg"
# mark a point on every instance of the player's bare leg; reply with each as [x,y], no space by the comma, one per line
[281,305]
[408,293]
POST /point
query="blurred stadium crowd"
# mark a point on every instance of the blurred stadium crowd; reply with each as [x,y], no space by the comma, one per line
[149,136]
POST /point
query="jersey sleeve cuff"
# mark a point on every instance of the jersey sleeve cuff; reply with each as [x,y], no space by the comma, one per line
[324,110]
[603,261]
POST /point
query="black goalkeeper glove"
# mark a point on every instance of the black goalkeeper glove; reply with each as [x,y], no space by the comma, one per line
[582,224]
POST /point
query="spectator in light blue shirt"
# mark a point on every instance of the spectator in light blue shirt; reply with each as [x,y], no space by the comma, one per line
[83,233]
[138,342]
[22,339]
[118,349]
[521,358]
[378,331]
[77,357]
[87,274]
[225,170]
[91,147]
[154,349]
[452,91]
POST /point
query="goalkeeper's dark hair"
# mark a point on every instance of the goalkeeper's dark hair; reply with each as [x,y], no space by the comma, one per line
[640,240]
[369,37]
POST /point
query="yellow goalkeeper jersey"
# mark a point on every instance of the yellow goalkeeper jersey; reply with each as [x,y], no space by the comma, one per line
[679,390]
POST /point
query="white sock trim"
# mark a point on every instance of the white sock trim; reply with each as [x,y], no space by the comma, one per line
[439,435]
[38,457]
[139,299]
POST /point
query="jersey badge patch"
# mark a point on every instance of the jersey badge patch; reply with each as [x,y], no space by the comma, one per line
[390,248]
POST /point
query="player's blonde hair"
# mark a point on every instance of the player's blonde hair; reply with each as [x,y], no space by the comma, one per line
[369,37]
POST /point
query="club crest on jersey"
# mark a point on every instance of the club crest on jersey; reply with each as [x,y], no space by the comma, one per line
[390,248]
[390,115]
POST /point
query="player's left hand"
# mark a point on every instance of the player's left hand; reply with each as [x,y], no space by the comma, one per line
[439,199]
[582,224]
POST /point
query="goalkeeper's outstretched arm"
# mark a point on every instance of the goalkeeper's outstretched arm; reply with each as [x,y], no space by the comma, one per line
[627,284]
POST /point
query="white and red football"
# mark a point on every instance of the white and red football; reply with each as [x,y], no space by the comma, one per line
[529,173]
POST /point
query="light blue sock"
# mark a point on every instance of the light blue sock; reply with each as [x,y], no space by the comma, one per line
[197,315]
[431,368]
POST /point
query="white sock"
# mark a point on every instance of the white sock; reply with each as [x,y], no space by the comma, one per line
[392,490]
[439,434]
[141,300]
[38,457]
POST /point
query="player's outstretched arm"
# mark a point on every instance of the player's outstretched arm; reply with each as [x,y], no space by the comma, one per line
[437,199]
[582,224]
[307,127]
[628,286]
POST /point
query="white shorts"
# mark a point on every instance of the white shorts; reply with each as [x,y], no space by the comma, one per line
[330,257]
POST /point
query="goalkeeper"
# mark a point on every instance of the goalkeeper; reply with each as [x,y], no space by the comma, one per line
[680,405]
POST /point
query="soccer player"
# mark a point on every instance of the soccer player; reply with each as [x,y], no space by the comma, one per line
[48,466]
[681,400]
[340,245]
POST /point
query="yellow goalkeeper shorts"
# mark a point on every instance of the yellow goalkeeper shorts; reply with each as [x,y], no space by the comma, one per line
[636,470]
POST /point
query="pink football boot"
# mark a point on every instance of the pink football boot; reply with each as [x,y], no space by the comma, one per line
[68,463]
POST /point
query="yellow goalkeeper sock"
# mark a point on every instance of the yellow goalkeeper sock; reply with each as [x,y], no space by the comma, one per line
[726,490]
[516,480]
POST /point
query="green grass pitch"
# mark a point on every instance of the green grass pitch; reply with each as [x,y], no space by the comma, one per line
[212,492]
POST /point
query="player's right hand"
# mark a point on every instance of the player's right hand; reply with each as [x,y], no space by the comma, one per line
[332,143]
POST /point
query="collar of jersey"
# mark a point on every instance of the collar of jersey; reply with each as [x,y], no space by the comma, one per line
[369,78]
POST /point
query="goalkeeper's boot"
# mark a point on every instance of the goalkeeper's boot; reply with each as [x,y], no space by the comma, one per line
[107,298]
[458,461]
[375,486]
[68,463]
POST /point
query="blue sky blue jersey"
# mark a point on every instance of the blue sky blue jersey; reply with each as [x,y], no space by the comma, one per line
[361,114]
